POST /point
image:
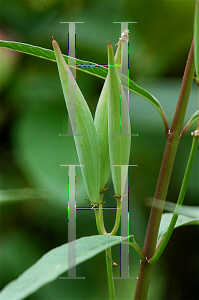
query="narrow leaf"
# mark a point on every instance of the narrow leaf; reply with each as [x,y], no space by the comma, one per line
[88,67]
[55,263]
[132,86]
[48,54]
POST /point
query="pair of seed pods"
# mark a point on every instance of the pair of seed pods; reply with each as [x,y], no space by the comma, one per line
[100,144]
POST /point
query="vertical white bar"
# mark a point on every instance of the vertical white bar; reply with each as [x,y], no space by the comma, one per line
[124,267]
[124,249]
[71,224]
[72,63]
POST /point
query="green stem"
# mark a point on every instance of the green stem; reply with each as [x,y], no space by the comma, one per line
[102,231]
[167,236]
[100,220]
[110,274]
[137,249]
[173,138]
[118,215]
[99,215]
[198,107]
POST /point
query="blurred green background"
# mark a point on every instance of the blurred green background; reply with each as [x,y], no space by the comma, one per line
[34,216]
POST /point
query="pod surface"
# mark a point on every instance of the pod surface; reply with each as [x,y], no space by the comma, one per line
[84,131]
[118,125]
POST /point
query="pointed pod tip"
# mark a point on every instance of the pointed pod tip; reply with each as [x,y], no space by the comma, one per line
[54,42]
[110,47]
[110,53]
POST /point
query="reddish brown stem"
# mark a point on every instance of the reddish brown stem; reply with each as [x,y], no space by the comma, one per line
[173,138]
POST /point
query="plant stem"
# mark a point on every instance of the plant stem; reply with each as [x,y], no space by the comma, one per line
[110,275]
[137,249]
[179,202]
[102,231]
[198,107]
[169,157]
[118,215]
[99,219]
[99,215]
[173,138]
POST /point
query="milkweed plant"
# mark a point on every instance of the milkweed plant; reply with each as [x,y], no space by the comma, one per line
[103,146]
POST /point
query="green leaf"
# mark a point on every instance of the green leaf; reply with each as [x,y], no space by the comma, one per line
[132,86]
[54,263]
[48,54]
[182,221]
[88,67]
[196,39]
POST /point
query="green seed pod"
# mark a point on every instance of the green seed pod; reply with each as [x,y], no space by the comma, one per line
[101,125]
[87,145]
[101,120]
[118,125]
